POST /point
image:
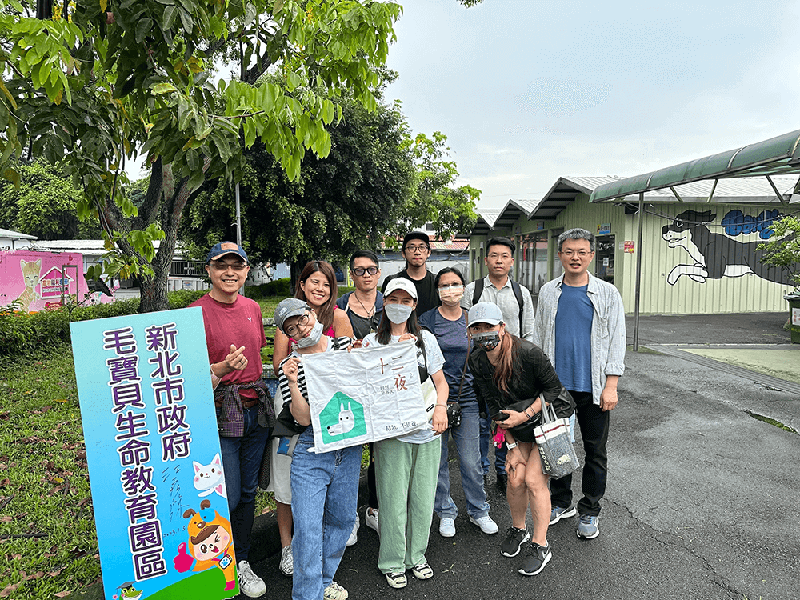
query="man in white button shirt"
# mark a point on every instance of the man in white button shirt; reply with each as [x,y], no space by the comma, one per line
[516,305]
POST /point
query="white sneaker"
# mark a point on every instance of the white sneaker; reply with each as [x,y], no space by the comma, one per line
[447,527]
[286,565]
[371,518]
[353,534]
[250,584]
[487,525]
[335,592]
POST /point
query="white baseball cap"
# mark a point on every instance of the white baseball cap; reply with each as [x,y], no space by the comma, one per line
[401,283]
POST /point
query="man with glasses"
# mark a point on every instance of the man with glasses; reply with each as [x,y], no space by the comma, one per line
[580,325]
[364,307]
[514,301]
[416,249]
[235,336]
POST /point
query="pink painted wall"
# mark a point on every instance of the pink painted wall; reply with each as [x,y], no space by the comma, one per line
[34,279]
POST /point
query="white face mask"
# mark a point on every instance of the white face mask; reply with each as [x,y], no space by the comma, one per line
[451,295]
[397,313]
[312,338]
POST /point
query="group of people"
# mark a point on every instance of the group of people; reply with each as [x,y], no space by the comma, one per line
[480,345]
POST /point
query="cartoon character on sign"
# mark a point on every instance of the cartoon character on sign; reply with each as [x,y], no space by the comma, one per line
[210,544]
[346,421]
[127,592]
[210,479]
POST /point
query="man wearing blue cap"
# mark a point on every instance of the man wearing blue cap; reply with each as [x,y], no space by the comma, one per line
[235,336]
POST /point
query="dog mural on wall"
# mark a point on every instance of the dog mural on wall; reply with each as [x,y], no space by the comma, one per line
[716,255]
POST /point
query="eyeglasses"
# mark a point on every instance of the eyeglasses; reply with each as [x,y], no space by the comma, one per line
[223,266]
[456,287]
[414,249]
[571,253]
[292,330]
[495,256]
[359,271]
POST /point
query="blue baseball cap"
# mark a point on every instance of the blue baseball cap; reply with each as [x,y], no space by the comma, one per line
[222,248]
[485,312]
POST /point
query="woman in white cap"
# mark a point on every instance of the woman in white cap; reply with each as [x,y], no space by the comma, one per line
[324,485]
[511,377]
[406,467]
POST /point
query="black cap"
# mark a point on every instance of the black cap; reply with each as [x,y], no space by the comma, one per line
[416,235]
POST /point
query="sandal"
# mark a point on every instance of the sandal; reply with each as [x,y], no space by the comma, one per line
[422,571]
[396,580]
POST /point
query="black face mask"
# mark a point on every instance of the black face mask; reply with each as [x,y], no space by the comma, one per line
[487,340]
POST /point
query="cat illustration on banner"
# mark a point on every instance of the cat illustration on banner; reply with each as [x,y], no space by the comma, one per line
[210,478]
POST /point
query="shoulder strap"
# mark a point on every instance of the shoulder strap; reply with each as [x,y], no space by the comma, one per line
[476,296]
[520,301]
[466,360]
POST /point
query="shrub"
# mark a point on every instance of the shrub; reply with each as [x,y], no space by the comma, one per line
[278,287]
[21,333]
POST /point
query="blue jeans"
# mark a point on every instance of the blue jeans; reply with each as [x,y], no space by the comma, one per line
[241,460]
[324,500]
[466,437]
[486,443]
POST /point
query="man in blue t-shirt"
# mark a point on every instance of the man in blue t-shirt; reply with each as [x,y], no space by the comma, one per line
[580,325]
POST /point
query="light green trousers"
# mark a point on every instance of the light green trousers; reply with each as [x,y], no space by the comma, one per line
[406,476]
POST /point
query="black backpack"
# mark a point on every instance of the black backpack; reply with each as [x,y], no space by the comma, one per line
[476,296]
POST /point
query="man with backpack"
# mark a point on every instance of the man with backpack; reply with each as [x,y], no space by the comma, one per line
[516,305]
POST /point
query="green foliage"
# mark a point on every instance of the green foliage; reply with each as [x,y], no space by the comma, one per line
[783,248]
[44,204]
[347,200]
[95,87]
[21,333]
[451,209]
[277,287]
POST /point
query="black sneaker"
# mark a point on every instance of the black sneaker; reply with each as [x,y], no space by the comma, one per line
[514,540]
[536,557]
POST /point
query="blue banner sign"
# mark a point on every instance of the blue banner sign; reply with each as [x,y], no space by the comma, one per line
[152,447]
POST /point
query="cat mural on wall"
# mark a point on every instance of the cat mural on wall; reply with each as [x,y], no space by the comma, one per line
[30,273]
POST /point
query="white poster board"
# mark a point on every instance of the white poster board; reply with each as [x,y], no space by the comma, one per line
[365,395]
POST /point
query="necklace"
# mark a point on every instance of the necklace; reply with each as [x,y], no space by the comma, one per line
[370,313]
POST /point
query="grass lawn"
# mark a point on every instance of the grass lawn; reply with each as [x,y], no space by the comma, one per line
[48,543]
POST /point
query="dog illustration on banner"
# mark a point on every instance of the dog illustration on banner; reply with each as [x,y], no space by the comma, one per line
[210,544]
[210,479]
[715,255]
[342,418]
[346,421]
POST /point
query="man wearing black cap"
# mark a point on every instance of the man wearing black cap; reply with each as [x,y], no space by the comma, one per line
[235,336]
[416,249]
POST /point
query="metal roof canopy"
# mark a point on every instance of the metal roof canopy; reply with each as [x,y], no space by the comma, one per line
[778,155]
[775,156]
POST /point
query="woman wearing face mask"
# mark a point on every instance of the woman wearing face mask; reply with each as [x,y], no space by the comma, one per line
[511,377]
[317,287]
[406,467]
[324,485]
[448,323]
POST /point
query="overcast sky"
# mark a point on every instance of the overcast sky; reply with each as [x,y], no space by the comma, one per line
[528,91]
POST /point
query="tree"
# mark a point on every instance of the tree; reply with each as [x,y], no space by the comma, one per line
[783,248]
[346,200]
[44,204]
[92,86]
[376,183]
[451,209]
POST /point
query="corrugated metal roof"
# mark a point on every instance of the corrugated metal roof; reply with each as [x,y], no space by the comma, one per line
[16,235]
[778,155]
